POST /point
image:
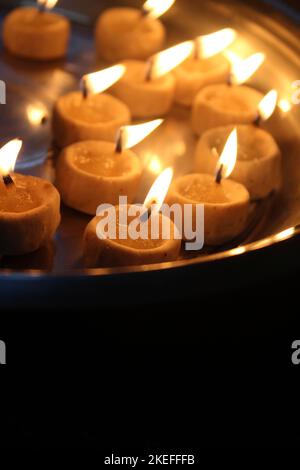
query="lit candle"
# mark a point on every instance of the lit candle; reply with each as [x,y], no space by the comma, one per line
[123,249]
[94,172]
[29,207]
[90,114]
[129,33]
[221,104]
[148,88]
[36,33]
[226,202]
[205,66]
[258,165]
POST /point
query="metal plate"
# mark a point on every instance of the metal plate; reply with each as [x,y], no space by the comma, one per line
[36,87]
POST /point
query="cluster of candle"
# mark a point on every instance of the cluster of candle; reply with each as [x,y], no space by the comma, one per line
[97,167]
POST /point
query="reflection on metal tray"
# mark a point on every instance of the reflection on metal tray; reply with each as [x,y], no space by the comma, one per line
[33,88]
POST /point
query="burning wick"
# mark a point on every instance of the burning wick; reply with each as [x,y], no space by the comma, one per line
[266,107]
[150,64]
[42,6]
[8,157]
[129,136]
[242,70]
[7,180]
[155,8]
[84,88]
[228,157]
[119,142]
[153,202]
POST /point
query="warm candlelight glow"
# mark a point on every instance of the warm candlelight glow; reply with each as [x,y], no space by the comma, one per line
[154,164]
[129,136]
[228,158]
[167,60]
[36,114]
[156,8]
[267,105]
[243,70]
[97,82]
[285,234]
[212,44]
[8,156]
[159,190]
[48,4]
[284,105]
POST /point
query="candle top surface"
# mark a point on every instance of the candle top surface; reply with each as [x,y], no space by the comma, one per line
[138,244]
[253,142]
[100,158]
[22,196]
[231,98]
[203,188]
[30,17]
[94,109]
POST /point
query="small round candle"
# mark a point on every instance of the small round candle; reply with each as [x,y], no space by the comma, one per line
[206,66]
[258,165]
[90,114]
[91,173]
[29,207]
[101,250]
[221,104]
[226,203]
[129,33]
[34,33]
[148,88]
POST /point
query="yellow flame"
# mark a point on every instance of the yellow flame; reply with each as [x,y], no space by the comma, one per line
[48,4]
[244,69]
[154,165]
[97,82]
[267,105]
[35,114]
[8,156]
[229,155]
[129,136]
[212,44]
[159,190]
[167,60]
[284,105]
[156,8]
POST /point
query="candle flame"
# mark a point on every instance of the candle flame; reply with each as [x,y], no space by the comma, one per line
[267,105]
[167,60]
[244,69]
[228,157]
[214,43]
[129,136]
[97,82]
[159,190]
[8,156]
[35,114]
[156,8]
[48,4]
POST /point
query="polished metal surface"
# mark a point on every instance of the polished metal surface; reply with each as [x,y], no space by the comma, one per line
[33,88]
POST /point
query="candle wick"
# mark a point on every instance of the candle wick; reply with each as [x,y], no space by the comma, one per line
[230,79]
[84,88]
[7,180]
[119,142]
[148,76]
[258,120]
[197,50]
[144,12]
[219,174]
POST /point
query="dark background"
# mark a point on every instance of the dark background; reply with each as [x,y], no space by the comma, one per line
[207,371]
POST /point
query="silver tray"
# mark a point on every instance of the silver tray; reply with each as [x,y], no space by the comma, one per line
[35,86]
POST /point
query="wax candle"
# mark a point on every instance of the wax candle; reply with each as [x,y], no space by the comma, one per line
[221,104]
[226,202]
[205,66]
[94,172]
[90,114]
[29,207]
[258,165]
[124,250]
[148,88]
[129,33]
[36,33]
